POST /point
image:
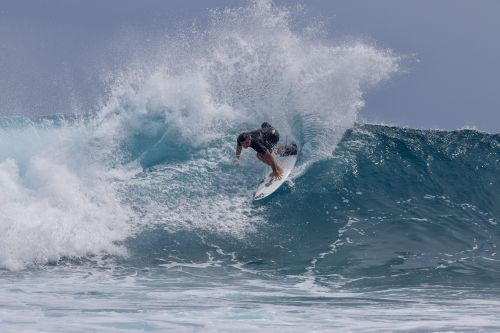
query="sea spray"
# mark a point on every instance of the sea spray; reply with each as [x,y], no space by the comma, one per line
[249,65]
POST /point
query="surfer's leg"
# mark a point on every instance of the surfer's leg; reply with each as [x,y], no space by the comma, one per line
[261,157]
[269,160]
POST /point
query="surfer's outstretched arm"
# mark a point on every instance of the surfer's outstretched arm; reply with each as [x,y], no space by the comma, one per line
[238,151]
[238,154]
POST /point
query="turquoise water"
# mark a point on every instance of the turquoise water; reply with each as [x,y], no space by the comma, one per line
[133,218]
[396,231]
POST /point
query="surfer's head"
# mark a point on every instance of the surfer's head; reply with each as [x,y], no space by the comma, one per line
[244,140]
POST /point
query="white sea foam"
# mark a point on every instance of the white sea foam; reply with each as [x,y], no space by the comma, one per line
[56,201]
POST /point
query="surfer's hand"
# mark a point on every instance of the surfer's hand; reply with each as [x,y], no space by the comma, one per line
[236,162]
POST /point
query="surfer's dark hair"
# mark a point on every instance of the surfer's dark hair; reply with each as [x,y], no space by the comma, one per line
[242,137]
[265,125]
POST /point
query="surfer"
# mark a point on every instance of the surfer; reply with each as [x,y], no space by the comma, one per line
[263,142]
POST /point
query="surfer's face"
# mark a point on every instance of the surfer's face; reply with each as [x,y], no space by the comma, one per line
[246,143]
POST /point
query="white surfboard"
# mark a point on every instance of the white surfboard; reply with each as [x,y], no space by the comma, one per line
[269,185]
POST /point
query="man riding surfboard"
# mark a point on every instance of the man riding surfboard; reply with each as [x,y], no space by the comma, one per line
[263,142]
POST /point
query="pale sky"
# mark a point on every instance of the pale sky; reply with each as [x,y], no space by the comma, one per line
[54,53]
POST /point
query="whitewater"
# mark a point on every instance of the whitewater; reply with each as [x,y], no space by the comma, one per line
[134,218]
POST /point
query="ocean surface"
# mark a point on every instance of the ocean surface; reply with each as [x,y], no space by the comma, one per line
[133,218]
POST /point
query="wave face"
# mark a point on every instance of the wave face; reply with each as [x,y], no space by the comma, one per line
[148,180]
[406,206]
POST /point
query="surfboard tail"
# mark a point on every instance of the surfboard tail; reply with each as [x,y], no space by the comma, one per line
[288,150]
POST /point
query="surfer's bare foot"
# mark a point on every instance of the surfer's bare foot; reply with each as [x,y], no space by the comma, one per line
[276,175]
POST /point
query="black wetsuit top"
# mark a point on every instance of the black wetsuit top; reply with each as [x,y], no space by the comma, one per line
[263,139]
